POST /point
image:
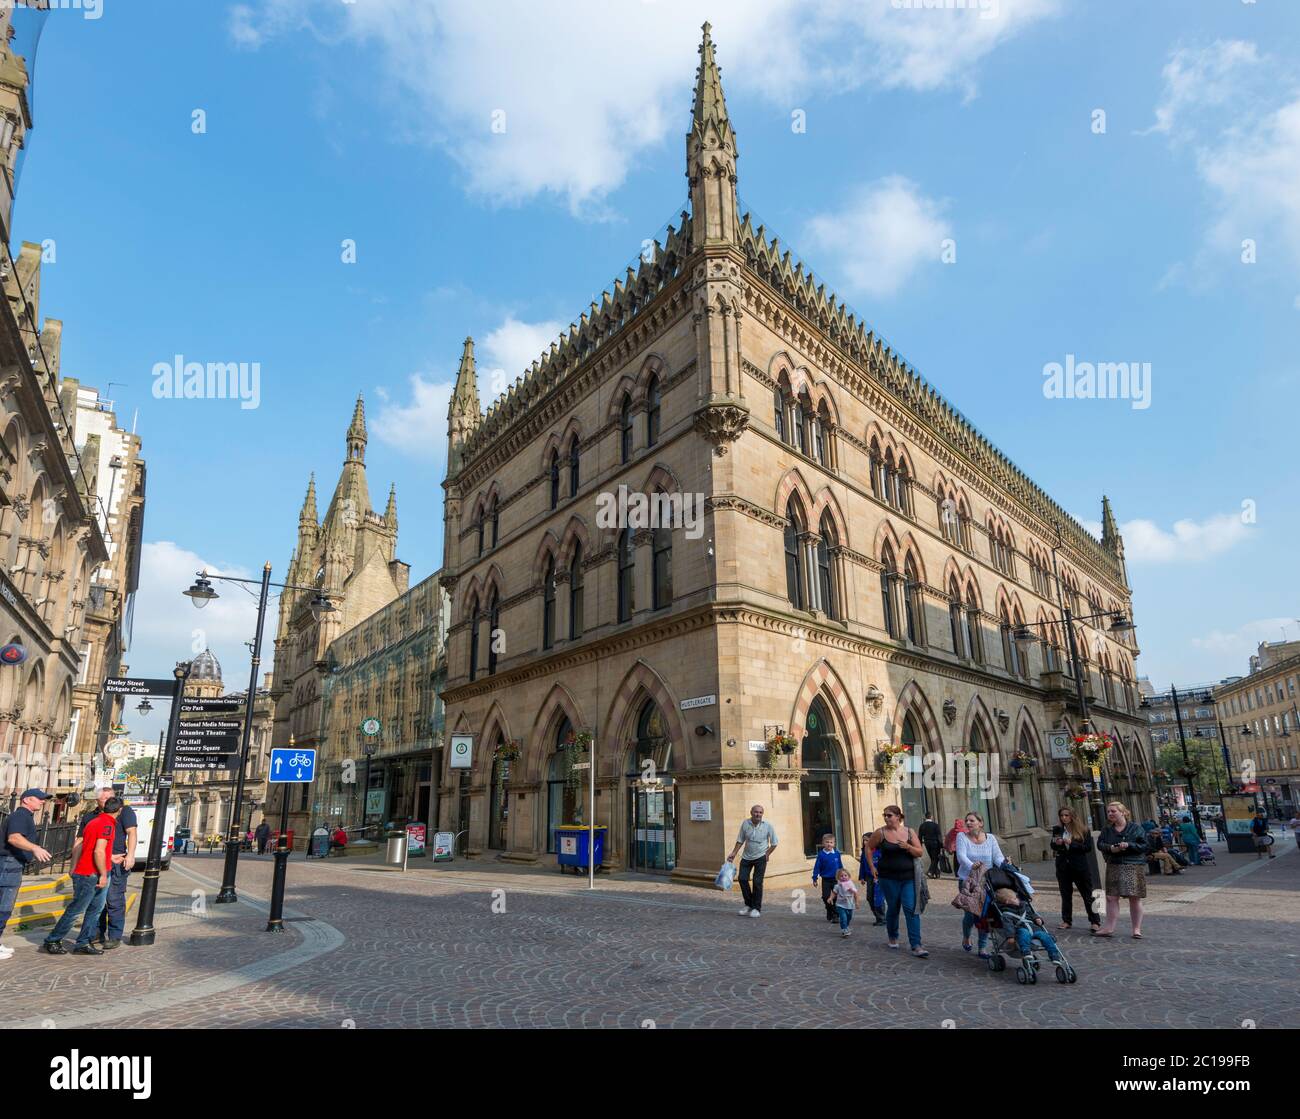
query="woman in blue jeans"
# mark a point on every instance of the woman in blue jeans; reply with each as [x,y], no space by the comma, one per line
[896,875]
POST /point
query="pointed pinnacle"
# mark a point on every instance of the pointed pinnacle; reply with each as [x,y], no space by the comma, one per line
[709,100]
[357,428]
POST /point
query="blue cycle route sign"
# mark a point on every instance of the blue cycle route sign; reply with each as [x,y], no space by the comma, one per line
[293,765]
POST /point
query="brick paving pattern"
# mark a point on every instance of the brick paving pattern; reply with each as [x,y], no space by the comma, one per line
[371,948]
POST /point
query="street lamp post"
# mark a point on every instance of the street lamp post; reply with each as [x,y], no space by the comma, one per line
[201,593]
[1187,763]
[144,932]
[1024,638]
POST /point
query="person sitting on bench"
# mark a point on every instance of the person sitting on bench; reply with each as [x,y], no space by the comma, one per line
[339,839]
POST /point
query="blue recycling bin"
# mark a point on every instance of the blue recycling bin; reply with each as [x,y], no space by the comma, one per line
[571,847]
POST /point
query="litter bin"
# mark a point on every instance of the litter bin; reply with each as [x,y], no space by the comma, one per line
[396,854]
[571,847]
[288,839]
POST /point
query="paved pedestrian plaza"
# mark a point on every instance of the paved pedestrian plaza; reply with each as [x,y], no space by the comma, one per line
[478,943]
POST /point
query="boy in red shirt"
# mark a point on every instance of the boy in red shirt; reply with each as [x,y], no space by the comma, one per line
[89,884]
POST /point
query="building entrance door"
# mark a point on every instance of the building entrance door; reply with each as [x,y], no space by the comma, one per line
[652,798]
[819,792]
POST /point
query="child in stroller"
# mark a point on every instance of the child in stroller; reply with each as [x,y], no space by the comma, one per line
[1012,921]
[1207,855]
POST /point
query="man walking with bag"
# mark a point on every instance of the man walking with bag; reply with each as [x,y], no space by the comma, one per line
[758,839]
[930,834]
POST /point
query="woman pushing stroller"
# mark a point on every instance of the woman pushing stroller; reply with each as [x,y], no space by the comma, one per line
[1011,916]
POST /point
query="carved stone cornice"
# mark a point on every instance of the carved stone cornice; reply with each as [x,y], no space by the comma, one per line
[733,503]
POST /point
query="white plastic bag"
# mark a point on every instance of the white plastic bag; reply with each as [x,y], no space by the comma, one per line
[726,876]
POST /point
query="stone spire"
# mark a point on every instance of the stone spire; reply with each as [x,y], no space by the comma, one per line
[307,518]
[463,414]
[1110,536]
[390,513]
[711,155]
[357,432]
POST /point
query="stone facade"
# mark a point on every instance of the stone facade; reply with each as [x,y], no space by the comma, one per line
[385,668]
[349,558]
[861,559]
[1260,713]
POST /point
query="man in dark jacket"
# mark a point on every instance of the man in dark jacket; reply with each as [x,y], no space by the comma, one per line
[930,834]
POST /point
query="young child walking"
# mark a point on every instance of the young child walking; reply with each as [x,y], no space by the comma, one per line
[846,899]
[827,867]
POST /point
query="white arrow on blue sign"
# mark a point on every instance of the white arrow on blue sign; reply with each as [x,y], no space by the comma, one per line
[292,765]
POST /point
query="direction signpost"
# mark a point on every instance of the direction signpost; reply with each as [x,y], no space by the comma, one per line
[289,766]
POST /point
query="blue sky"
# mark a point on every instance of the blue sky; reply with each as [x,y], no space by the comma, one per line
[372,121]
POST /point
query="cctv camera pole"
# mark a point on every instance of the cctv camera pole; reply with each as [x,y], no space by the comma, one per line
[144,932]
[232,841]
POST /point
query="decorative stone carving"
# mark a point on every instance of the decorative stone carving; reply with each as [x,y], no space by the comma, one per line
[949,711]
[721,421]
[875,700]
[1003,718]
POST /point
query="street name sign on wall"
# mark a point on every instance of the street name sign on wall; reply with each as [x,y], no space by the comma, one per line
[292,765]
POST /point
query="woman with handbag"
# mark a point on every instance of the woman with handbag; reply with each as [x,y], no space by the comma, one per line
[1072,845]
[975,847]
[1124,847]
[896,872]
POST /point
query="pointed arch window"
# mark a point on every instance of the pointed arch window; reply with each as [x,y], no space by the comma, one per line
[803,419]
[625,428]
[474,620]
[662,566]
[778,413]
[825,572]
[575,593]
[573,466]
[974,645]
[555,479]
[653,403]
[902,488]
[478,526]
[548,605]
[821,436]
[1010,652]
[494,518]
[955,619]
[794,529]
[888,576]
[494,630]
[626,573]
[877,471]
[912,602]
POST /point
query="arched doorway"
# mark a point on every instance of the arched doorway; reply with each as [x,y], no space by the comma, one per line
[915,799]
[1021,786]
[821,791]
[561,794]
[499,802]
[652,798]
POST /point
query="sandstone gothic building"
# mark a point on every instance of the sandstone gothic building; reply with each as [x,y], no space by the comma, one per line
[348,557]
[862,558]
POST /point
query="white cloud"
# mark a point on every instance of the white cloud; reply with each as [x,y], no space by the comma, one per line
[881,236]
[1238,113]
[1238,645]
[585,91]
[1197,78]
[168,629]
[1188,541]
[417,427]
[509,350]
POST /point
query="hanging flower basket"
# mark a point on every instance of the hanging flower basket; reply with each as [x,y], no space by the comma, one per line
[1075,792]
[1160,774]
[570,748]
[1187,772]
[888,760]
[1090,749]
[1023,763]
[780,743]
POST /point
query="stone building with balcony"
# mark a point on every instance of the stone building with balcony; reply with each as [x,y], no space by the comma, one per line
[861,560]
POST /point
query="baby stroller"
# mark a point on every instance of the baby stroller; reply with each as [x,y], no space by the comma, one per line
[1206,853]
[1003,923]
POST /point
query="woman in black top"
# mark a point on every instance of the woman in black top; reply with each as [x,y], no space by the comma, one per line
[1124,846]
[1072,845]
